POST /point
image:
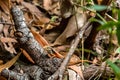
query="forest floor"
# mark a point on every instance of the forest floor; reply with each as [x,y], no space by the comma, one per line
[59,40]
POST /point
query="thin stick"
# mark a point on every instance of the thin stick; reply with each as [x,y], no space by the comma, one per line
[5,23]
[59,73]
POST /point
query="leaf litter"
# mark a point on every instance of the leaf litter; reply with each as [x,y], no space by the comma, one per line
[39,15]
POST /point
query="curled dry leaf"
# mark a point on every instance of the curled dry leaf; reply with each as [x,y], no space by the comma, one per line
[72,28]
[9,46]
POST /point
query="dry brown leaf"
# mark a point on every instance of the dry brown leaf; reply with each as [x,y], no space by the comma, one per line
[44,43]
[4,6]
[5,30]
[47,4]
[40,18]
[57,54]
[40,39]
[1,28]
[2,78]
[9,47]
[95,61]
[1,62]
[74,59]
[5,17]
[27,55]
[36,2]
[77,69]
[66,8]
[50,37]
[19,1]
[52,6]
[72,28]
[114,40]
[8,40]
[62,48]
[9,63]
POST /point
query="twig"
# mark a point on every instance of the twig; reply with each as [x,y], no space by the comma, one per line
[111,17]
[60,71]
[14,75]
[24,36]
[5,23]
[98,70]
[32,47]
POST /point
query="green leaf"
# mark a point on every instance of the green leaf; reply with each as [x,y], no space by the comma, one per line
[97,20]
[118,34]
[115,68]
[118,15]
[53,19]
[99,7]
[117,50]
[108,25]
[117,61]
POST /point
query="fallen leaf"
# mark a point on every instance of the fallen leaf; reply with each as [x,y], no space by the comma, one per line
[95,61]
[5,30]
[47,4]
[2,78]
[1,28]
[9,47]
[74,59]
[40,18]
[4,6]
[52,6]
[39,38]
[71,28]
[1,62]
[45,44]
[62,48]
[9,63]
[66,11]
[27,55]
[78,70]
[8,40]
